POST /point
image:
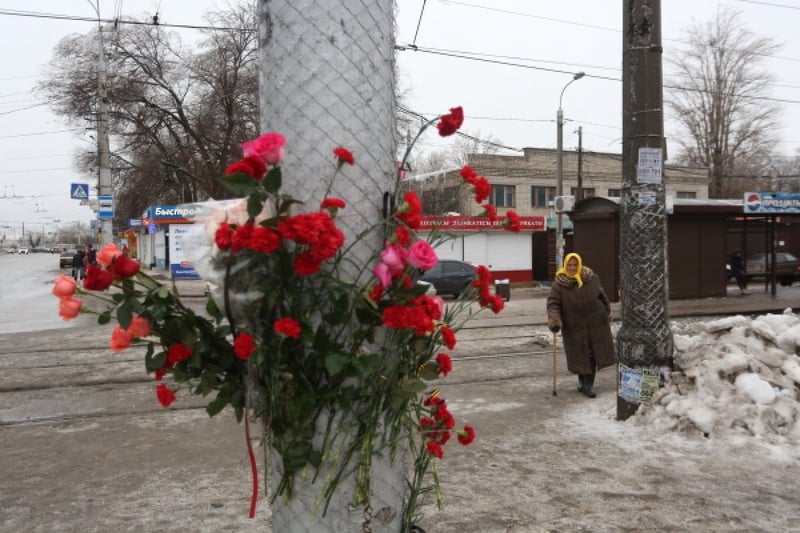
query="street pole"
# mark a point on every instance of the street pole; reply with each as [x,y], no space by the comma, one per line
[104,187]
[579,192]
[560,171]
[644,341]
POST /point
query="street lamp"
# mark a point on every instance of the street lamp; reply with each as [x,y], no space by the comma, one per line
[560,172]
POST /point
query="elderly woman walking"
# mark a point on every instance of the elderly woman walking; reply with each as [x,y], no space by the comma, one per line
[578,307]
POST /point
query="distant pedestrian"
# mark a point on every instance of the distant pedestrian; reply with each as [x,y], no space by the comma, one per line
[78,272]
[737,270]
[90,256]
[578,307]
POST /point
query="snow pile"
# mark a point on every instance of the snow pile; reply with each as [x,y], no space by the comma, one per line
[736,376]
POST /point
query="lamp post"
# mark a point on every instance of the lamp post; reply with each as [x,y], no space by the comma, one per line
[560,171]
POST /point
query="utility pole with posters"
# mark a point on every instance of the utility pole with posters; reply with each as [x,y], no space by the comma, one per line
[644,341]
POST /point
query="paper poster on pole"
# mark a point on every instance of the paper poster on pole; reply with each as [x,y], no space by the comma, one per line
[637,385]
[649,165]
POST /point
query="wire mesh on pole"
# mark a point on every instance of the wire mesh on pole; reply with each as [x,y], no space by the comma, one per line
[327,80]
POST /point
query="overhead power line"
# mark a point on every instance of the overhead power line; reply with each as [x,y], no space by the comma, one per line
[95,20]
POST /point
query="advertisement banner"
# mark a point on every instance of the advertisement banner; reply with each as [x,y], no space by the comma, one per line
[179,266]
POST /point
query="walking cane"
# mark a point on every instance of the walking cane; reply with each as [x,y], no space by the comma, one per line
[555,366]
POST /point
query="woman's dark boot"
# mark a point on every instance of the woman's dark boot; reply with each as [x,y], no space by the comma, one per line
[588,383]
[581,382]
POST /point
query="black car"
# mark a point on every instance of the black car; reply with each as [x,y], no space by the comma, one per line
[65,260]
[450,276]
[787,267]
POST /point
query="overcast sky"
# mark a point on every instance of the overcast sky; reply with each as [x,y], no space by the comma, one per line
[532,48]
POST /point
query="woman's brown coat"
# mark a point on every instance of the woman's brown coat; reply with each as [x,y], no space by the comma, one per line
[583,315]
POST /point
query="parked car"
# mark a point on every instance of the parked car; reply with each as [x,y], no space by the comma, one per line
[23,250]
[65,259]
[787,267]
[450,276]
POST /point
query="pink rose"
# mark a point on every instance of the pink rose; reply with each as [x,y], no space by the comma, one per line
[64,286]
[107,253]
[269,147]
[69,308]
[120,339]
[394,256]
[381,272]
[421,255]
[140,327]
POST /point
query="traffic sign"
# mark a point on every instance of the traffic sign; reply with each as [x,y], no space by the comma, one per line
[79,191]
[105,207]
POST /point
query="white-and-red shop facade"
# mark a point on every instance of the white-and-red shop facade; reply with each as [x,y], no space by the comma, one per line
[481,241]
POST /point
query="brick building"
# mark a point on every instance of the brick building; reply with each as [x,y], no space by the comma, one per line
[527,185]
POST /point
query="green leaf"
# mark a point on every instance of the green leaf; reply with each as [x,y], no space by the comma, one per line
[217,404]
[429,371]
[336,362]
[368,317]
[146,280]
[154,362]
[272,181]
[412,385]
[213,310]
[124,315]
[104,318]
[163,292]
[239,183]
[255,203]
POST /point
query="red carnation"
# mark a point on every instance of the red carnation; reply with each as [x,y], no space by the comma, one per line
[165,395]
[243,346]
[490,211]
[449,337]
[482,189]
[434,448]
[287,326]
[332,205]
[511,223]
[466,435]
[450,123]
[445,364]
[264,240]
[344,156]
[224,236]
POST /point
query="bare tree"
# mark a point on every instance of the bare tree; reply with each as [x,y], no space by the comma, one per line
[719,95]
[178,113]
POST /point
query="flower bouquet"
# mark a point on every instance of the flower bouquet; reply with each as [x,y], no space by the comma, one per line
[334,356]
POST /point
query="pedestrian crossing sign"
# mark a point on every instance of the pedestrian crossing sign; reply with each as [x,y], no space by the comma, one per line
[79,191]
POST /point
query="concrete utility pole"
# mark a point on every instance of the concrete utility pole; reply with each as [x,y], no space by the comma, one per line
[579,192]
[104,188]
[644,342]
[327,80]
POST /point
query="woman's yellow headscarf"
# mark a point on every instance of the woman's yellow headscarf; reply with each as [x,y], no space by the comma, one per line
[563,270]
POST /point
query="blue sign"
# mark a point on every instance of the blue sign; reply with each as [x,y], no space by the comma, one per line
[134,222]
[79,191]
[183,272]
[772,202]
[105,207]
[166,214]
